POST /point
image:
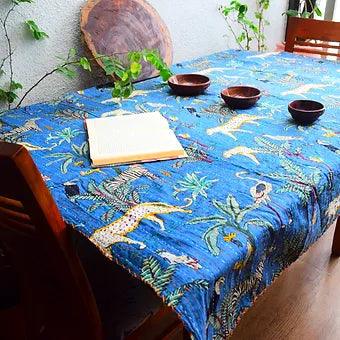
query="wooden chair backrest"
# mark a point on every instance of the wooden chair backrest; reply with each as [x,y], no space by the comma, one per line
[310,36]
[54,292]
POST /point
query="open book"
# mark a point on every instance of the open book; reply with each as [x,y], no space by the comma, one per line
[124,139]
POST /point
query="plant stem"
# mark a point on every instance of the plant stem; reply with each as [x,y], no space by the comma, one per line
[35,85]
[233,32]
[9,46]
[47,74]
[3,61]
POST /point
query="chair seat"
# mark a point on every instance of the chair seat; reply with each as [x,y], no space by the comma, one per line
[123,301]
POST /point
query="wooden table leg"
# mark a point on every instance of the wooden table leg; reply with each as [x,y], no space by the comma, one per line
[336,240]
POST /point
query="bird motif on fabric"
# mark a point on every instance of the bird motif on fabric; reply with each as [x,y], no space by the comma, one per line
[208,71]
[234,124]
[180,259]
[263,55]
[243,151]
[117,231]
[330,147]
[304,89]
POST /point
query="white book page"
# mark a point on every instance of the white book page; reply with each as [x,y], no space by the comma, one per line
[129,138]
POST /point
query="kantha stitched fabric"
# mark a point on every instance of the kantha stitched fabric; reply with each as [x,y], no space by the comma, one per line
[212,231]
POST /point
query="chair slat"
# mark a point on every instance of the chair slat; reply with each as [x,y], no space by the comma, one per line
[11,204]
[15,215]
[16,226]
[312,51]
[312,44]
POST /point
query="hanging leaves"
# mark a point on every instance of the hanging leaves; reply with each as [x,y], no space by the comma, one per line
[36,32]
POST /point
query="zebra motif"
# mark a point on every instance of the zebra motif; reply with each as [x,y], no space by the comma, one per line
[132,173]
[116,193]
[225,319]
[20,130]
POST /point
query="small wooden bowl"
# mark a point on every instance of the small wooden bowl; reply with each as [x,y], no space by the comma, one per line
[241,97]
[189,84]
[306,111]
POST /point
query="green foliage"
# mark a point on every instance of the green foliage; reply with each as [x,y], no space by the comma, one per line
[116,194]
[36,32]
[126,73]
[67,71]
[197,186]
[159,278]
[18,2]
[297,181]
[230,215]
[174,298]
[153,274]
[10,95]
[66,135]
[237,13]
[77,156]
[303,11]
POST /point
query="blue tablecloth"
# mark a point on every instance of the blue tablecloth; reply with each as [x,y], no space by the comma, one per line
[210,232]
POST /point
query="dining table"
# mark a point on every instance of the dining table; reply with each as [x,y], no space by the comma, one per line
[209,232]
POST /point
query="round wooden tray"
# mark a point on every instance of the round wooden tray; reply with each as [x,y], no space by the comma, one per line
[118,26]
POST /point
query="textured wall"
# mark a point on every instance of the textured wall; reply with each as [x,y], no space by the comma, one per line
[196,28]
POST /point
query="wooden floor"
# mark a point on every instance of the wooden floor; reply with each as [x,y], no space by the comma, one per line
[303,304]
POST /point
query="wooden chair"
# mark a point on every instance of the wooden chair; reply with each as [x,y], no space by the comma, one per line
[313,37]
[54,295]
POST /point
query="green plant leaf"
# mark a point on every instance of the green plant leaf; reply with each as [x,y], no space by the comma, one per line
[291,13]
[72,53]
[135,69]
[134,56]
[36,32]
[15,86]
[85,64]
[18,2]
[67,71]
[317,11]
[211,238]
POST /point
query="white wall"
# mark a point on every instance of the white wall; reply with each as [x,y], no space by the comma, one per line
[196,28]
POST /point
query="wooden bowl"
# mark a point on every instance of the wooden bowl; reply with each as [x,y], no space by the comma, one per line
[241,97]
[306,111]
[189,84]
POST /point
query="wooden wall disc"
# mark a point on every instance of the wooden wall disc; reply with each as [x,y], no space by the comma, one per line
[115,26]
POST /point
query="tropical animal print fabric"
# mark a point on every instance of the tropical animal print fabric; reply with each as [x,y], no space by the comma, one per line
[212,231]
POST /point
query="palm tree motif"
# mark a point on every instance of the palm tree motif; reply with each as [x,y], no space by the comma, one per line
[159,278]
[78,156]
[117,193]
[296,181]
[194,185]
[231,216]
[66,135]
